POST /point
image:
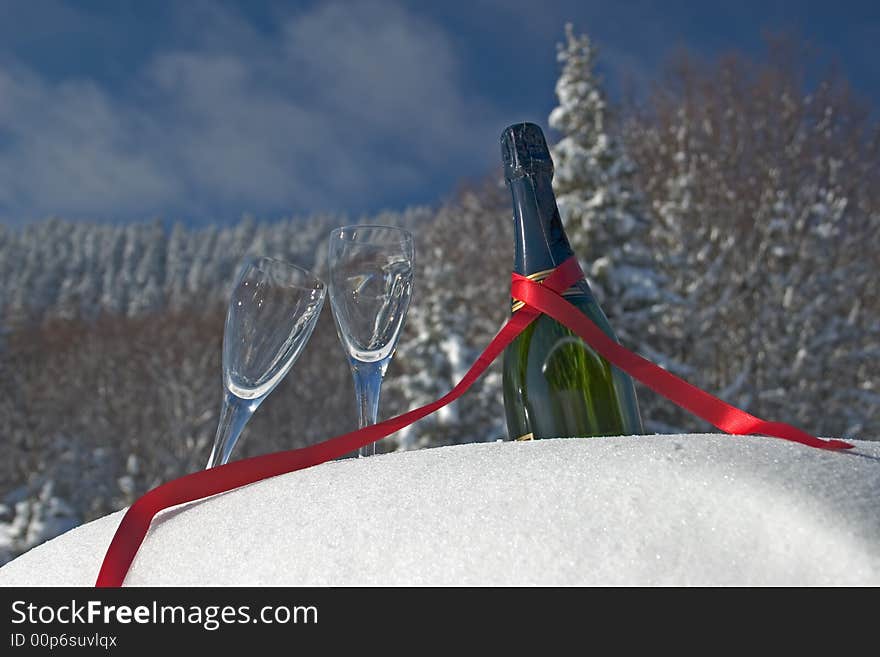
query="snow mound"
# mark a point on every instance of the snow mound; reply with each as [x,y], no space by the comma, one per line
[651,510]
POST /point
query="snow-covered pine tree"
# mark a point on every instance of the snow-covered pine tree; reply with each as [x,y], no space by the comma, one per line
[149,275]
[89,288]
[598,198]
[113,294]
[603,210]
[177,263]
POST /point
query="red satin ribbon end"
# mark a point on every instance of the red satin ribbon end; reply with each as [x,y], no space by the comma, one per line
[837,444]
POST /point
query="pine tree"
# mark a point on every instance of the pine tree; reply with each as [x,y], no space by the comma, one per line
[597,194]
[149,279]
[177,263]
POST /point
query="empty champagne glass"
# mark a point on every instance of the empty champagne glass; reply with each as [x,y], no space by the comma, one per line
[271,315]
[371,270]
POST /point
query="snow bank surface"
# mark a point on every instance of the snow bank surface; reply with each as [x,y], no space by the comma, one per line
[650,510]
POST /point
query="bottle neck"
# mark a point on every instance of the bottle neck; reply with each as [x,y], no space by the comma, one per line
[541,243]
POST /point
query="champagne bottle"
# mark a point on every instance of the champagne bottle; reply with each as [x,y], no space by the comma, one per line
[555,385]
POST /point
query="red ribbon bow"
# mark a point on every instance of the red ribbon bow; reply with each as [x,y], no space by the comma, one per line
[539,298]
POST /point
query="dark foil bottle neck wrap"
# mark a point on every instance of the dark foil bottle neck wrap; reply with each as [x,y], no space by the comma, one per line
[541,243]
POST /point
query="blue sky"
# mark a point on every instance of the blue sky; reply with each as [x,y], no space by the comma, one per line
[122,110]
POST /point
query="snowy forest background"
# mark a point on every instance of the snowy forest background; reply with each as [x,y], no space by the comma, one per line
[729,221]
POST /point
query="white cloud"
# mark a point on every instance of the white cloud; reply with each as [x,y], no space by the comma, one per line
[336,108]
[71,147]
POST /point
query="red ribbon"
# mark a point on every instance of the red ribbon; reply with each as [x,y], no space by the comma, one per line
[544,297]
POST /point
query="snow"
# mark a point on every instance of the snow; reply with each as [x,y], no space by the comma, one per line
[698,509]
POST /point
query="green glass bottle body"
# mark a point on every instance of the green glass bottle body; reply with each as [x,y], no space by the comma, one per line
[555,385]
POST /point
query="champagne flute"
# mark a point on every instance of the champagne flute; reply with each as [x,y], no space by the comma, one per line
[271,315]
[371,270]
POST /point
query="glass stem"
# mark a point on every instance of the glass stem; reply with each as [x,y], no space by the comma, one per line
[233,416]
[367,387]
